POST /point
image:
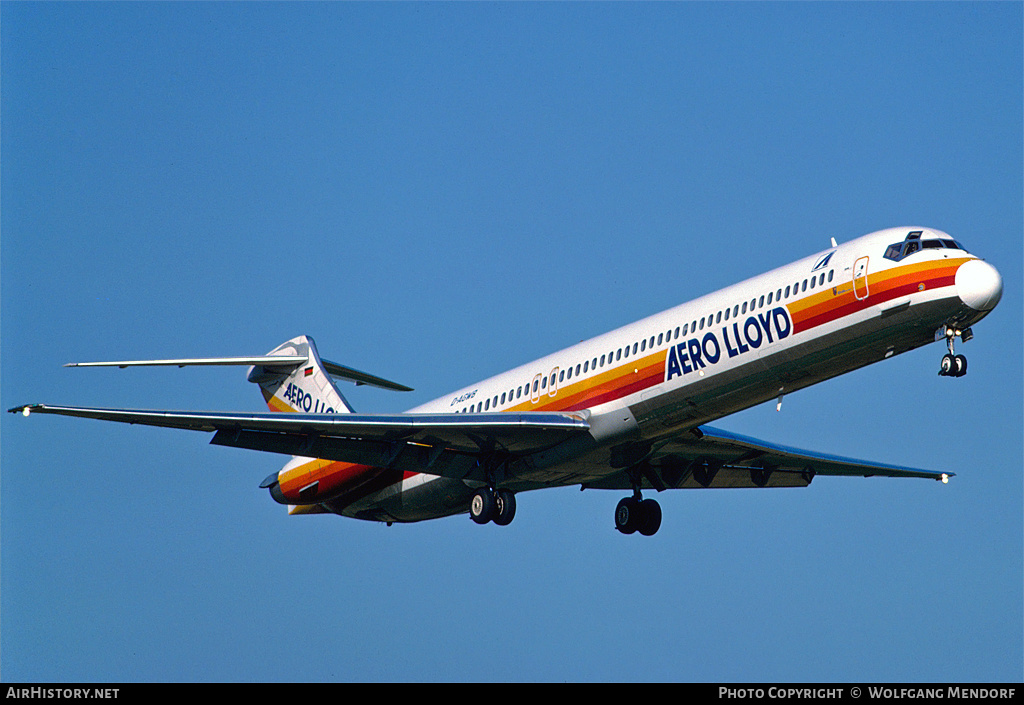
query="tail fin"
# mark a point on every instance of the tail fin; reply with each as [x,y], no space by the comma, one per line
[306,388]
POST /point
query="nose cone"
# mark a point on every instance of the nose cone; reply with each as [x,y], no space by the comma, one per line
[979,285]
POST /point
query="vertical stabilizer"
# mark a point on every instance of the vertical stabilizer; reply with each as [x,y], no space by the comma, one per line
[305,388]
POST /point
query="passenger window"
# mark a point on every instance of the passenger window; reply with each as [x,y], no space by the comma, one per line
[586,365]
[702,324]
[830,273]
[736,310]
[778,296]
[578,370]
[761,302]
[602,361]
[618,354]
[634,348]
[561,376]
[661,337]
[727,313]
[677,331]
[503,397]
[685,329]
[769,298]
[787,291]
[651,343]
[744,309]
[813,280]
[804,286]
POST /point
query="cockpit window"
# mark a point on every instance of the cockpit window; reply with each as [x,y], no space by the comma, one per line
[913,243]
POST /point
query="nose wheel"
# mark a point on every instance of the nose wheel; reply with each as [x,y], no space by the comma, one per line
[953,365]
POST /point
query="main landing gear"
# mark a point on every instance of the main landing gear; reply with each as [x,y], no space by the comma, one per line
[954,365]
[498,506]
[636,514]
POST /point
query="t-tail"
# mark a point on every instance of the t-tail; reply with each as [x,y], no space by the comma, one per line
[306,387]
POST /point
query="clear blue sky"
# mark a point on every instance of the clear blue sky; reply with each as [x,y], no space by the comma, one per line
[439,192]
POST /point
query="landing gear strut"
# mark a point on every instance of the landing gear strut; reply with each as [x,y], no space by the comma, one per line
[498,506]
[954,365]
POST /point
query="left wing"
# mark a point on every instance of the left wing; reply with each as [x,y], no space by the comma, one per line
[711,457]
[415,442]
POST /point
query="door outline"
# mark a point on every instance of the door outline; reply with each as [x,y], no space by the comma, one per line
[860,278]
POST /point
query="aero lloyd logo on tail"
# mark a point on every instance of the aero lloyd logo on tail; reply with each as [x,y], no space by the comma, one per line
[303,401]
[736,339]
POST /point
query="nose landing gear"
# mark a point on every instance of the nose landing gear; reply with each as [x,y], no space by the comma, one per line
[954,365]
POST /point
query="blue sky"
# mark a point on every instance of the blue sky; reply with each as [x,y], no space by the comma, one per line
[436,193]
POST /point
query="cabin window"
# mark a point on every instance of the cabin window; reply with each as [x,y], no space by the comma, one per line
[702,324]
[634,348]
[778,296]
[830,273]
[643,344]
[661,337]
[593,364]
[561,376]
[686,327]
[677,332]
[787,291]
[602,361]
[544,383]
[727,313]
[804,288]
[813,280]
[618,354]
[577,370]
[769,298]
[761,302]
[586,365]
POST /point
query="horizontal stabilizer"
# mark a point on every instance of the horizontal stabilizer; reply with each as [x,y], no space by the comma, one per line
[265,360]
[271,361]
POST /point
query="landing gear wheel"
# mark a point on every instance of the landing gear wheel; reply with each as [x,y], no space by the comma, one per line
[627,515]
[505,511]
[960,366]
[633,514]
[948,366]
[650,517]
[483,506]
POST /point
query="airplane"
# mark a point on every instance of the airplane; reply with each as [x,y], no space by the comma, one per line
[626,411]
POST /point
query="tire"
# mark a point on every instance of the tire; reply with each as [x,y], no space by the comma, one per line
[627,515]
[650,517]
[482,507]
[961,366]
[948,366]
[505,510]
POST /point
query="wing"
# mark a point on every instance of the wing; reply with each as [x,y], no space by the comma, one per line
[711,457]
[441,444]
